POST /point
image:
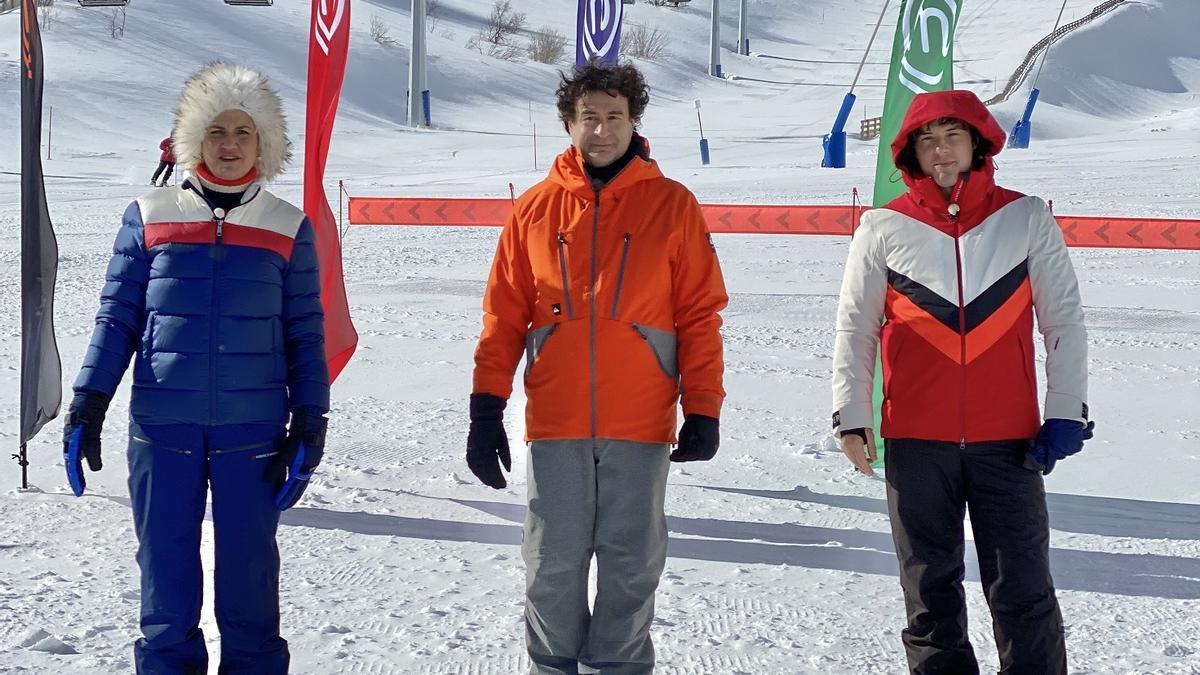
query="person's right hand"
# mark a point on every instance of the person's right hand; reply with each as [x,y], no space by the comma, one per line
[81,436]
[860,453]
[487,443]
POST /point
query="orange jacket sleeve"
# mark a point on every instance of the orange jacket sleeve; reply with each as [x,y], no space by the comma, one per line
[507,309]
[699,294]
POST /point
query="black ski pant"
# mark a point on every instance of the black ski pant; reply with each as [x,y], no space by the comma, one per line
[169,166]
[930,485]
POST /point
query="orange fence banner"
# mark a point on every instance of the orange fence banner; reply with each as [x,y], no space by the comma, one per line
[781,219]
[1099,232]
[1078,231]
[430,212]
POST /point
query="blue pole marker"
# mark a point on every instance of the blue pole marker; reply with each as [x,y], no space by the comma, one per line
[704,158]
[834,145]
[834,142]
[1019,138]
[425,107]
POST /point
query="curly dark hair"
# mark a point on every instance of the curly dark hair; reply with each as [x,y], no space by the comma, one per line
[906,159]
[623,79]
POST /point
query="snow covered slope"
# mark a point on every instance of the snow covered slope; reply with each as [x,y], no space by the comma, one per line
[781,561]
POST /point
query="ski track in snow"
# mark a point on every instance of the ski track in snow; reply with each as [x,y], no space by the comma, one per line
[398,562]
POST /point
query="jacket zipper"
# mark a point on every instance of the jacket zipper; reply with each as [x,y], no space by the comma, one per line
[562,265]
[621,273]
[213,320]
[962,316]
[592,308]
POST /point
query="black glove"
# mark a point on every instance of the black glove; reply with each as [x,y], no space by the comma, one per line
[298,454]
[487,444]
[81,436]
[699,438]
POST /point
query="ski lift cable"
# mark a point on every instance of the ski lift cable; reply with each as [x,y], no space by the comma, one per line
[872,41]
[1047,53]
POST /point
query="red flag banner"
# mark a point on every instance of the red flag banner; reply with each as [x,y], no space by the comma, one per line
[1078,231]
[329,40]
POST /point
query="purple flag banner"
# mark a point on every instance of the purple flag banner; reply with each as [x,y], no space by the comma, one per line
[598,31]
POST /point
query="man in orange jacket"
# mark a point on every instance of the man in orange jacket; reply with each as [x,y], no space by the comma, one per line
[606,278]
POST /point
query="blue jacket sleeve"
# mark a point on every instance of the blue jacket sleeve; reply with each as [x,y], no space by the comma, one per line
[304,326]
[122,312]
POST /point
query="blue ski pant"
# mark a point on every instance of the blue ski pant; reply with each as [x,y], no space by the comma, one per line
[171,468]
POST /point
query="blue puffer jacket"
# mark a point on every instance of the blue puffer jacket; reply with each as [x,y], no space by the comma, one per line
[224,315]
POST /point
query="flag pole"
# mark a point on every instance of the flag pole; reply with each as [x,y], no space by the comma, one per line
[23,461]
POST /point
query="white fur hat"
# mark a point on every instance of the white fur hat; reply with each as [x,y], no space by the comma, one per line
[223,86]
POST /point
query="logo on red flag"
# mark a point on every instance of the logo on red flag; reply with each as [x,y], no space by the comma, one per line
[325,25]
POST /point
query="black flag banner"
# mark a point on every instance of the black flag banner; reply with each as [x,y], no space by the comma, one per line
[41,368]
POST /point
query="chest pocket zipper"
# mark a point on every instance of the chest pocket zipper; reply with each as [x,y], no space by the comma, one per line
[621,274]
[562,265]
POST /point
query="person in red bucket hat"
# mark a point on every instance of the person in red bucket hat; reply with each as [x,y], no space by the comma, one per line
[946,280]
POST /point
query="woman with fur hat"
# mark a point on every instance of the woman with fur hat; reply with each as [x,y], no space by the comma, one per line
[213,288]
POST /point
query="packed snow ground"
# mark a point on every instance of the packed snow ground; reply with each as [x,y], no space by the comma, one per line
[397,561]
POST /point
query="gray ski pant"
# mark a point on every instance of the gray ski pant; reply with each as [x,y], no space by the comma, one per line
[601,497]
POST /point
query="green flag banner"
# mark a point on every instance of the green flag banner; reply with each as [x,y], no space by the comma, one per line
[922,60]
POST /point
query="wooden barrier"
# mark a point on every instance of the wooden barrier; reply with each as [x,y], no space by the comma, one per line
[868,128]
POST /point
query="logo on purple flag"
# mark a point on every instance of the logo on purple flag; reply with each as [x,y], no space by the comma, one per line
[598,31]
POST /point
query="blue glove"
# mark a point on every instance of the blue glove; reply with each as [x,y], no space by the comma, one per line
[298,454]
[81,436]
[1058,439]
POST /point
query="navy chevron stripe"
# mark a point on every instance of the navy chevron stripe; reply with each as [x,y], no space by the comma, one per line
[982,307]
[938,307]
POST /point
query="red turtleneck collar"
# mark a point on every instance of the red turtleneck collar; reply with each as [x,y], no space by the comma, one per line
[210,180]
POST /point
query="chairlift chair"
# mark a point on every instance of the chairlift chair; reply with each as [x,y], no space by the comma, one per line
[249,3]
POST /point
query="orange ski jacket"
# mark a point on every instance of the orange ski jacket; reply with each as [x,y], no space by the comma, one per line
[613,294]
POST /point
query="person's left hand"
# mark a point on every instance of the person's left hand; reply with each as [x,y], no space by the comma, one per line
[299,453]
[1058,439]
[699,438]
[81,437]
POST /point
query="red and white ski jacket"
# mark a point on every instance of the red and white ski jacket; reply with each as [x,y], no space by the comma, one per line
[952,298]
